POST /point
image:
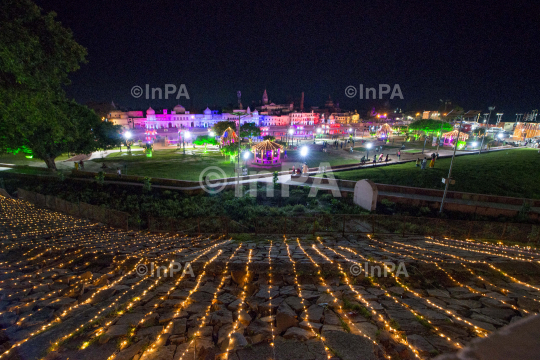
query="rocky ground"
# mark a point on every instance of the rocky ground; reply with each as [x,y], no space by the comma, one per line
[73,289]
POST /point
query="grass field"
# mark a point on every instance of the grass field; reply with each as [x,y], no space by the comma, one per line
[507,173]
[173,164]
[21,159]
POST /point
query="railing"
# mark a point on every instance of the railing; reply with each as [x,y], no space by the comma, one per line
[352,224]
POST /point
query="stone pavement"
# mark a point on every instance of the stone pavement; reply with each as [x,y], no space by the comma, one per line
[74,289]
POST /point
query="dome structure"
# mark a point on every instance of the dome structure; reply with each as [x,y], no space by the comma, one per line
[179,109]
[266,145]
[229,137]
[207,111]
[150,111]
[267,153]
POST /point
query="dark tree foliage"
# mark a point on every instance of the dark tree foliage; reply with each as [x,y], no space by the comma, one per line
[36,56]
[249,130]
[430,126]
[220,127]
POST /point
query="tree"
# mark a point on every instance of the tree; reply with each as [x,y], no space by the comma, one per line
[249,130]
[479,131]
[430,126]
[36,56]
[269,137]
[74,128]
[205,139]
[220,127]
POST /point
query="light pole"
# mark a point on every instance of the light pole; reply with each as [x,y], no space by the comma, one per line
[447,182]
[127,136]
[246,157]
[240,116]
[482,142]
[291,132]
[185,135]
[424,147]
[303,153]
[368,146]
[491,108]
[440,134]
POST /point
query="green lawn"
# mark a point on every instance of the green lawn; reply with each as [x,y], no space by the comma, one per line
[173,164]
[507,173]
[170,163]
[21,159]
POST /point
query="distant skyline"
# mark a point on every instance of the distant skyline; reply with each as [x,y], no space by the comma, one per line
[477,55]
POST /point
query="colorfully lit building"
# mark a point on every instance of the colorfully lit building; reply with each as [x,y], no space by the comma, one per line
[276,120]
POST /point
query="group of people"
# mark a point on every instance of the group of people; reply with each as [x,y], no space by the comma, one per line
[376,159]
[79,165]
[300,170]
[423,163]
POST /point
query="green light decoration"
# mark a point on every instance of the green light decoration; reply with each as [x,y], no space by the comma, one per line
[149,150]
[24,149]
[205,140]
[461,145]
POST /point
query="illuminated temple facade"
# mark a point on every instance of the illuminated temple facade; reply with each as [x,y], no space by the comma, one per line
[182,119]
[273,119]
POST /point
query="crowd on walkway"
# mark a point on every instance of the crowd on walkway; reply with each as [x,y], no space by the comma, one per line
[423,163]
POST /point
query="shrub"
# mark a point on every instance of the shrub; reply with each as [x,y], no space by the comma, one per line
[147,185]
[100,178]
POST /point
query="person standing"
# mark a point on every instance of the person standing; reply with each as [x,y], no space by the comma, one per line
[381,157]
[118,172]
[424,163]
[386,158]
[432,162]
[399,155]
[374,160]
[417,162]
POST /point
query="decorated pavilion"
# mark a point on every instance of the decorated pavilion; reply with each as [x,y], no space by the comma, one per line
[449,137]
[267,153]
[384,131]
[229,137]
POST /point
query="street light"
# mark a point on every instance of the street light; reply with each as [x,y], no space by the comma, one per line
[185,135]
[238,190]
[127,136]
[246,155]
[291,132]
[368,146]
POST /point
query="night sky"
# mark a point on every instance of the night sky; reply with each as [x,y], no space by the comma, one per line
[477,54]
